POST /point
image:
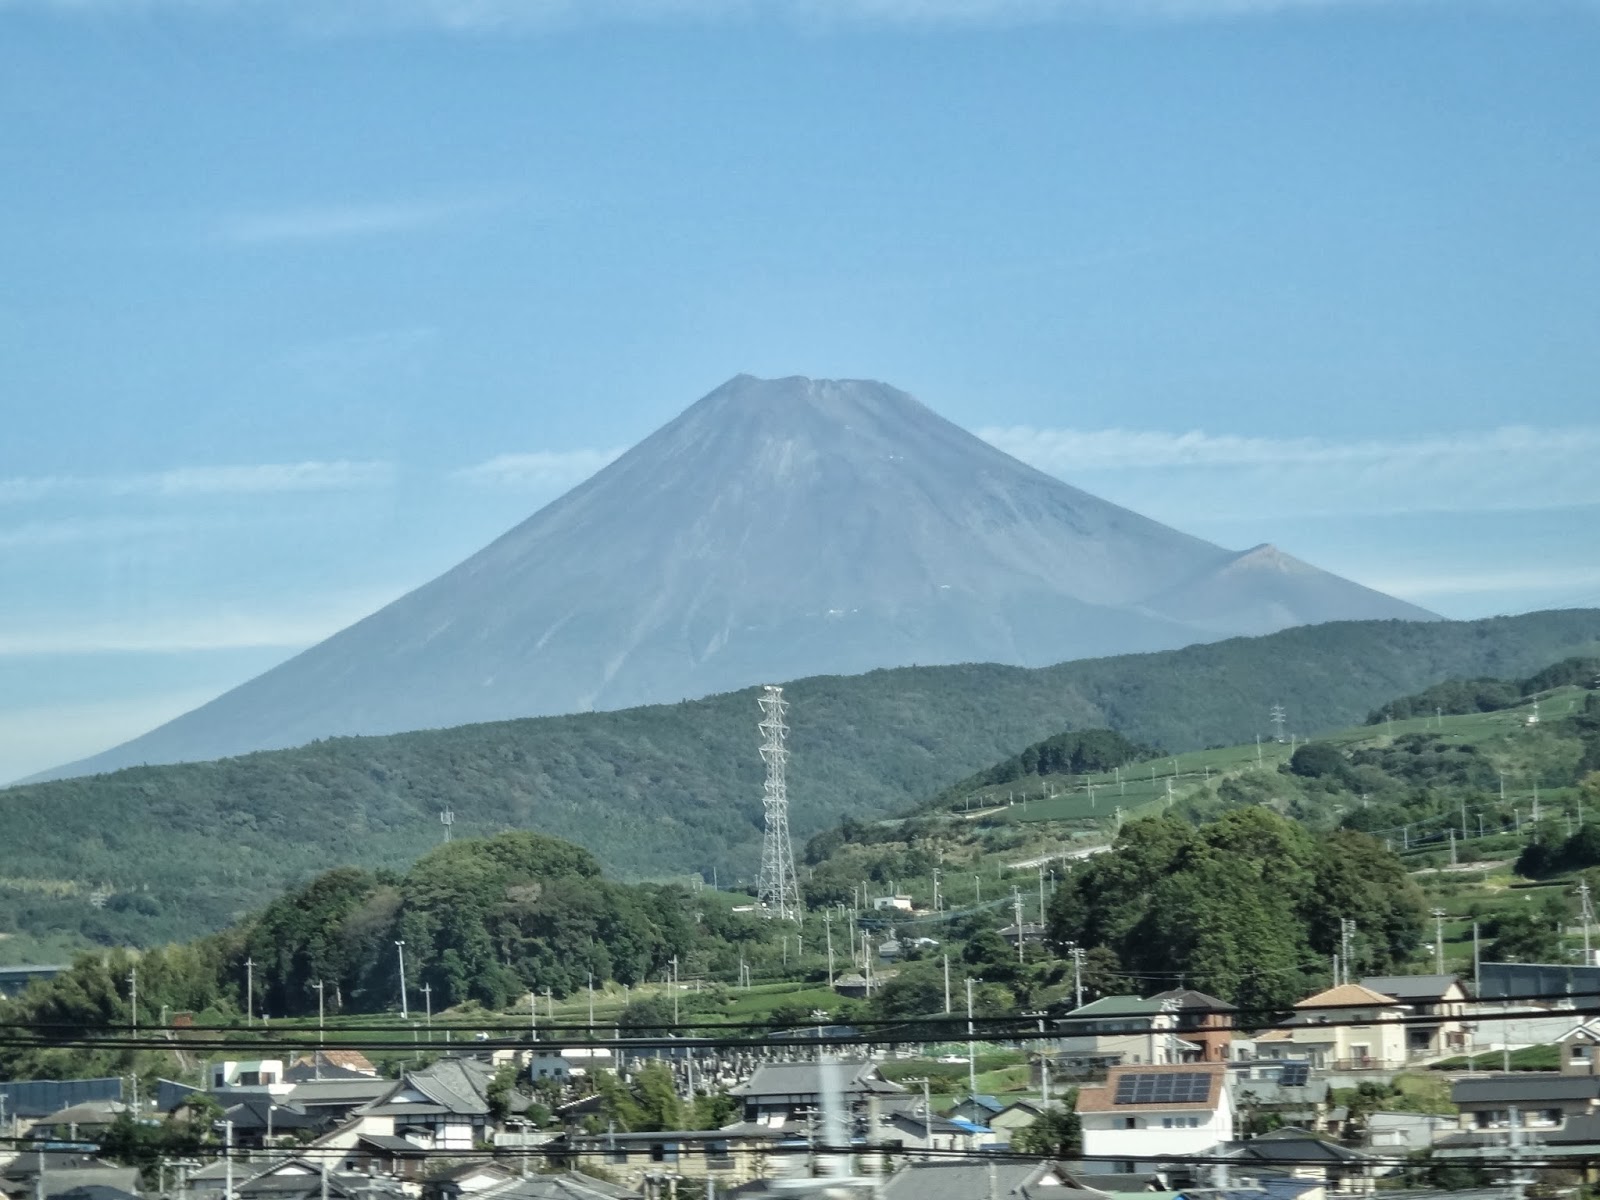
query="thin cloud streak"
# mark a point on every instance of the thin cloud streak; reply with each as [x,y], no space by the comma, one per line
[1528,579]
[208,631]
[1195,476]
[253,479]
[539,470]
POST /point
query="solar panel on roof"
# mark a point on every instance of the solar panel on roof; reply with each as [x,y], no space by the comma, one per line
[1163,1087]
[1294,1075]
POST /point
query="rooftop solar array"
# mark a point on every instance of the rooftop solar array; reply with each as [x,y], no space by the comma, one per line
[1294,1074]
[1164,1088]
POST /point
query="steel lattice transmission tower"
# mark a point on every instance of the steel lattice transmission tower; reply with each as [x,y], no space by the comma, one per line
[778,891]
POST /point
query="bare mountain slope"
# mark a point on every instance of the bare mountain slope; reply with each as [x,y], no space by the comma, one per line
[775,529]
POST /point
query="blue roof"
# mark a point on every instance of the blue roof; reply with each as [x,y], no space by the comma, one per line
[982,1101]
[969,1126]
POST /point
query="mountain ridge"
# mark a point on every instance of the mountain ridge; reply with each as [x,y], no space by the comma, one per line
[774,529]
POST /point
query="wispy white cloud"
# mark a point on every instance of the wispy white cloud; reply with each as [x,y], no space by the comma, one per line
[292,628]
[540,470]
[77,531]
[476,16]
[335,221]
[1466,583]
[1188,475]
[232,480]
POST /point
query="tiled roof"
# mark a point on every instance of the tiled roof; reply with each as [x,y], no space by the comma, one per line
[1188,1000]
[962,1180]
[1110,1006]
[1351,995]
[1411,987]
[1103,1098]
[1524,1086]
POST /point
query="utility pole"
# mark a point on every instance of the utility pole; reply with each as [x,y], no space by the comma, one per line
[400,949]
[1041,895]
[427,999]
[827,930]
[1585,916]
[675,992]
[1077,976]
[317,1058]
[1278,716]
[1016,908]
[1438,941]
[947,984]
[227,1154]
[133,1000]
[936,889]
[249,990]
[972,1054]
[591,998]
[533,1014]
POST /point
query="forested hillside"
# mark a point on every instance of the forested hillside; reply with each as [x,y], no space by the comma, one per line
[175,851]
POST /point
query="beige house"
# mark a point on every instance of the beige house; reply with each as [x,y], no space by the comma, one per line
[1348,1027]
[1437,1006]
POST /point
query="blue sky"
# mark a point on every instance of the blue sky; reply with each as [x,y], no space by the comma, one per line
[301,302]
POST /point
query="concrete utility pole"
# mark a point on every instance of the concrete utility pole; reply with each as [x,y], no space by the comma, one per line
[947,984]
[827,931]
[1438,941]
[427,999]
[1016,908]
[591,997]
[133,999]
[533,1014]
[972,1054]
[1077,976]
[1584,915]
[1041,895]
[674,991]
[400,949]
[249,990]
[316,1059]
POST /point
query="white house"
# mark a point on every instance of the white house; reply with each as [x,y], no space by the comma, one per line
[1155,1111]
[259,1077]
[550,1062]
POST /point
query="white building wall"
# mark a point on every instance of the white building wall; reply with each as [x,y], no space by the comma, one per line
[1104,1137]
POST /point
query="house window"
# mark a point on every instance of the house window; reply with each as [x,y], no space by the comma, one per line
[663,1152]
[1130,1122]
[1580,1054]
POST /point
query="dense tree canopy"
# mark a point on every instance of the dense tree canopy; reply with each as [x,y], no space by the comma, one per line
[1246,906]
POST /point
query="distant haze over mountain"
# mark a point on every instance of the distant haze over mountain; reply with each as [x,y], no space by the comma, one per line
[776,529]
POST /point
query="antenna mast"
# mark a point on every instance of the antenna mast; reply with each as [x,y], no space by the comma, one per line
[778,892]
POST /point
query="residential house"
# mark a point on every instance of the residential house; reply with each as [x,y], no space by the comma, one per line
[1443,997]
[1030,932]
[979,1109]
[1115,1030]
[1152,1111]
[722,1157]
[1299,1154]
[567,1185]
[333,1100]
[998,1180]
[286,1179]
[1532,1102]
[259,1076]
[929,1131]
[1406,1131]
[331,1064]
[85,1119]
[1202,1020]
[1348,1027]
[260,1122]
[469,1179]
[1580,1049]
[54,1172]
[784,1095]
[443,1106]
[569,1062]
[1303,1103]
[1019,1114]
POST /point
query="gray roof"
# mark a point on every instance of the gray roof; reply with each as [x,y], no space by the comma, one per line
[460,1084]
[1411,987]
[1190,1000]
[1270,1091]
[122,1179]
[569,1185]
[961,1180]
[316,1092]
[1520,1086]
[1291,1145]
[805,1079]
